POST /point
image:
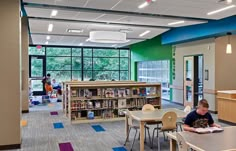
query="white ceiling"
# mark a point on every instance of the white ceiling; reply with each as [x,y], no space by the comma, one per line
[184,8]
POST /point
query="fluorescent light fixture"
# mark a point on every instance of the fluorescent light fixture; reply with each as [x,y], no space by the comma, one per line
[228,49]
[46,42]
[229,1]
[145,4]
[48,37]
[54,13]
[81,44]
[87,40]
[144,33]
[75,30]
[114,45]
[127,40]
[177,22]
[221,10]
[50,27]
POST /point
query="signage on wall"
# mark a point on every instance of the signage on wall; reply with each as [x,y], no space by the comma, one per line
[39,47]
[173,62]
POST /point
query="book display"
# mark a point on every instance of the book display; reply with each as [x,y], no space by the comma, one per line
[98,102]
[208,130]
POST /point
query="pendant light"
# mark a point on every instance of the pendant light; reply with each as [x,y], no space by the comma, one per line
[229,46]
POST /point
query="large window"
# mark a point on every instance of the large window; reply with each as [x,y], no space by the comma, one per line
[156,71]
[65,63]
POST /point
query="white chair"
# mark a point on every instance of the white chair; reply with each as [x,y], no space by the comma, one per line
[182,145]
[187,110]
[131,126]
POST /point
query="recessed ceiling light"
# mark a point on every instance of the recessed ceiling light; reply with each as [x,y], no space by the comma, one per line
[81,44]
[50,27]
[177,22]
[144,33]
[145,4]
[48,37]
[46,42]
[54,13]
[114,45]
[75,30]
[221,10]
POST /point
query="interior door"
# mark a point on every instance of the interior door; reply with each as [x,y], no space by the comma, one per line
[37,72]
[189,81]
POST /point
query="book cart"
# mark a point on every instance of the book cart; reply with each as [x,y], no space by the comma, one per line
[107,101]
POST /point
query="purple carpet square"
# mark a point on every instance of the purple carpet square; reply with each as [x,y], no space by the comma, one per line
[66,147]
[54,113]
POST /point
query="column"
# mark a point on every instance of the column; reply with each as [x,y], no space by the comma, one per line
[10,104]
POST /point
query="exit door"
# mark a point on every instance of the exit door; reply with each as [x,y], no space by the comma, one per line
[37,73]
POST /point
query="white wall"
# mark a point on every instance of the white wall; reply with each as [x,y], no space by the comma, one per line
[207,49]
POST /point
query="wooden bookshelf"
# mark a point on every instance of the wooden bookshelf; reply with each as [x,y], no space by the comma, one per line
[98,102]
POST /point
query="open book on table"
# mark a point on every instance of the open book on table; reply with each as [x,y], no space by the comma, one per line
[208,130]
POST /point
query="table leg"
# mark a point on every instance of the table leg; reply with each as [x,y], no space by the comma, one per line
[142,136]
[126,127]
[173,144]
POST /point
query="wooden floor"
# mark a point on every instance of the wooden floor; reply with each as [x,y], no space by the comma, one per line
[40,135]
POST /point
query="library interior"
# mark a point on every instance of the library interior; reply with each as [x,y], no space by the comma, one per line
[118,75]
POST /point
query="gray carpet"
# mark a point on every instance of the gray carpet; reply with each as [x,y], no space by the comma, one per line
[39,134]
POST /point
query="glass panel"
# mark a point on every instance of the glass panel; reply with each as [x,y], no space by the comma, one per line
[87,63]
[124,75]
[106,63]
[87,52]
[76,63]
[189,70]
[124,53]
[36,67]
[35,51]
[124,64]
[105,53]
[60,76]
[76,75]
[76,51]
[58,63]
[37,85]
[87,75]
[54,51]
[106,75]
[189,93]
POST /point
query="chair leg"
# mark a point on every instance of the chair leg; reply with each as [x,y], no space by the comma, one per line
[158,142]
[134,139]
[153,135]
[181,127]
[127,136]
[149,137]
[145,132]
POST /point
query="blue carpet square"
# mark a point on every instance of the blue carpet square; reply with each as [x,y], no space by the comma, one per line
[98,128]
[58,125]
[119,149]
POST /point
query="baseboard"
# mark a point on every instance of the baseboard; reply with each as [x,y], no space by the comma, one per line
[226,122]
[9,147]
[25,111]
[213,112]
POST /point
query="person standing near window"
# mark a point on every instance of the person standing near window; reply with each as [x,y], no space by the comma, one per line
[47,83]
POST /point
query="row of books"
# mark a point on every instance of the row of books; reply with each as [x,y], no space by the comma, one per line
[92,114]
[113,92]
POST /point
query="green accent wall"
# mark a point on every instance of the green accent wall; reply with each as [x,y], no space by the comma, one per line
[150,50]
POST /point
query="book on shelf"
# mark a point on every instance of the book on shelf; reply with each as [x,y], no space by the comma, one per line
[142,92]
[135,92]
[73,93]
[97,104]
[88,94]
[107,114]
[81,92]
[94,92]
[90,105]
[208,130]
[121,93]
[90,115]
[121,112]
[121,103]
[152,91]
[109,93]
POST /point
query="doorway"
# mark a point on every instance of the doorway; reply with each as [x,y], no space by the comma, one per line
[37,68]
[193,80]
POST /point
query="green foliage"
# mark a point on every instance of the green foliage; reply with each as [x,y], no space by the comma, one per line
[105,53]
[53,51]
[35,51]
